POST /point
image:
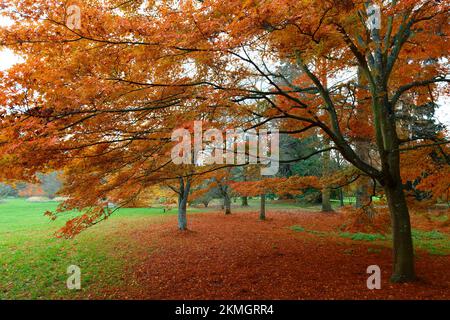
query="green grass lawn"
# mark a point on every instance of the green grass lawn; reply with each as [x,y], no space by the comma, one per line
[335,203]
[254,204]
[34,263]
[434,242]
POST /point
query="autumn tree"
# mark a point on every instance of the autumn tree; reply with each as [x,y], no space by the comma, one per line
[391,63]
[50,183]
[182,190]
[339,32]
[156,196]
[204,193]
[101,100]
[242,175]
[279,186]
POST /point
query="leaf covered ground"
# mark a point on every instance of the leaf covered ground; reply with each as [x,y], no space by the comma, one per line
[292,255]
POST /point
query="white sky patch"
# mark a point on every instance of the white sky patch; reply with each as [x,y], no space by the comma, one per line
[8,58]
[342,76]
[5,21]
[189,68]
[443,113]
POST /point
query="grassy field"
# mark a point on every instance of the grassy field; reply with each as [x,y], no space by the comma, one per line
[34,263]
[254,202]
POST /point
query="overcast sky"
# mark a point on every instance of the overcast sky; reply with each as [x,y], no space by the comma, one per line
[8,59]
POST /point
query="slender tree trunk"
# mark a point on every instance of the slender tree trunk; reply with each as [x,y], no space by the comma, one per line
[403,251]
[341,197]
[363,183]
[244,201]
[182,220]
[326,191]
[341,190]
[182,204]
[262,211]
[227,203]
[363,189]
[362,149]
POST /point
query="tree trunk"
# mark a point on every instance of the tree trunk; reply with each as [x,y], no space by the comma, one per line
[389,146]
[262,211]
[362,149]
[341,197]
[182,204]
[326,191]
[182,220]
[362,194]
[227,204]
[403,251]
[244,201]
[363,198]
[326,202]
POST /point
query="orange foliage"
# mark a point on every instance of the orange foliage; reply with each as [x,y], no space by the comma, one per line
[32,191]
[357,220]
[430,170]
[101,102]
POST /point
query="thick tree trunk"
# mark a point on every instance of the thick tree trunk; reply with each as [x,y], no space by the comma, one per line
[363,198]
[227,204]
[244,201]
[341,197]
[262,210]
[362,194]
[403,251]
[326,201]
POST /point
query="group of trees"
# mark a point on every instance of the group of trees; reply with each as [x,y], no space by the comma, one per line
[46,185]
[336,77]
[6,191]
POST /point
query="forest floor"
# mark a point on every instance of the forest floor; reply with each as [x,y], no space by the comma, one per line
[291,255]
[297,253]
